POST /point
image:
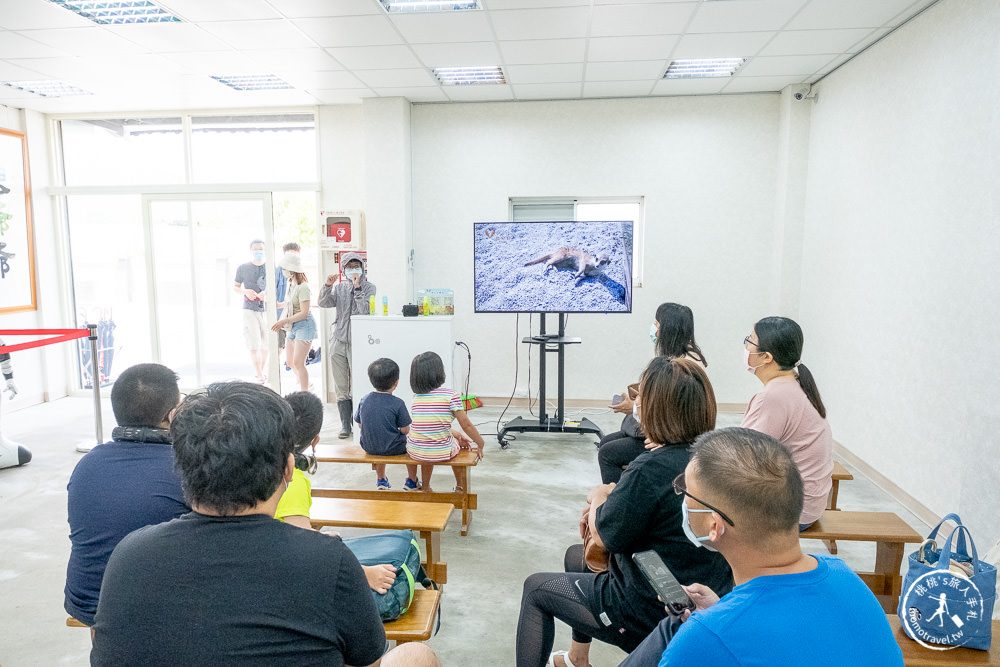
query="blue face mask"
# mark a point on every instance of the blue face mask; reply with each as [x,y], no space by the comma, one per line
[686,526]
[258,255]
[351,273]
[653,332]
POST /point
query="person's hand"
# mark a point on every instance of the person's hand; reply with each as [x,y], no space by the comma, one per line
[602,491]
[650,445]
[249,294]
[356,280]
[11,388]
[380,577]
[625,406]
[279,325]
[584,521]
[330,279]
[702,596]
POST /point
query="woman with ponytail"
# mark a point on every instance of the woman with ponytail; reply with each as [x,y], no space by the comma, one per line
[789,407]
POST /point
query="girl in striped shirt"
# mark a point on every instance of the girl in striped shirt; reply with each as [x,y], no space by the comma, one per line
[431,437]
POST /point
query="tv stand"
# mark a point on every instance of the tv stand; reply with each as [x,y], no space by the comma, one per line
[549,343]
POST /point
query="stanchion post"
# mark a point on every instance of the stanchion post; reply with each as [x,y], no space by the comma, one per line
[96,381]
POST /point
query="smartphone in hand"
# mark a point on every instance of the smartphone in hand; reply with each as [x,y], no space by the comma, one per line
[663,581]
[616,399]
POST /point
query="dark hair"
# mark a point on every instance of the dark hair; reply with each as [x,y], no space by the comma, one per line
[782,337]
[752,477]
[299,277]
[308,412]
[384,373]
[291,245]
[255,242]
[676,337]
[231,444]
[676,401]
[426,373]
[144,395]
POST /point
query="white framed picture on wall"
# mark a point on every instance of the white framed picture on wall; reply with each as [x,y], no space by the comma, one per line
[17,251]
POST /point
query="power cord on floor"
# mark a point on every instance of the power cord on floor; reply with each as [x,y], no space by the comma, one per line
[507,438]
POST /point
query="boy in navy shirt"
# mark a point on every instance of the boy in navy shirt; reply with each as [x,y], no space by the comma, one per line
[384,422]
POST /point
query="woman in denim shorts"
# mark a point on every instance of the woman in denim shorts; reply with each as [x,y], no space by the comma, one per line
[298,321]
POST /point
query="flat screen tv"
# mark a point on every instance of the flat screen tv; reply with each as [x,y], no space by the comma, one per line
[553,267]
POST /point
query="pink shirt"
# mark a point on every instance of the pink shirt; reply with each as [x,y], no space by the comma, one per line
[783,411]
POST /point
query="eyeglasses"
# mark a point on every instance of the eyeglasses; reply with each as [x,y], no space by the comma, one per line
[747,340]
[681,490]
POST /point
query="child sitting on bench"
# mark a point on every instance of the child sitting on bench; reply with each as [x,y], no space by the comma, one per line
[431,437]
[384,422]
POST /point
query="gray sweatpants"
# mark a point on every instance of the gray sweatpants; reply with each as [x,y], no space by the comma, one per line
[340,366]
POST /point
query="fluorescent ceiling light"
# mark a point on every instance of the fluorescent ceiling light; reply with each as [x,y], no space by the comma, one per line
[429,5]
[49,88]
[696,69]
[466,76]
[253,82]
[117,12]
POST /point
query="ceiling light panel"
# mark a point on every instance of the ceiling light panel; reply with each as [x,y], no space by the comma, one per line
[704,68]
[469,76]
[413,6]
[118,12]
[253,82]
[47,88]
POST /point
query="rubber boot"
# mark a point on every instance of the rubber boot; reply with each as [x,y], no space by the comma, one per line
[12,454]
[346,408]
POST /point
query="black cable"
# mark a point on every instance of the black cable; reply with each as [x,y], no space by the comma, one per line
[507,438]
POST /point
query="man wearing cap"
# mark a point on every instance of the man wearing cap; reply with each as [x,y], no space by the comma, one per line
[349,297]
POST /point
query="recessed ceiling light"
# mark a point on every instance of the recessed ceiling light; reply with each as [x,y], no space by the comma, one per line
[118,12]
[253,82]
[428,5]
[695,69]
[49,88]
[467,76]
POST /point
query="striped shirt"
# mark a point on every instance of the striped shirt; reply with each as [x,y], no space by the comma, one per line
[430,436]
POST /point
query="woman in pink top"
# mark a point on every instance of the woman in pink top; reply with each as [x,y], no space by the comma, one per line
[789,407]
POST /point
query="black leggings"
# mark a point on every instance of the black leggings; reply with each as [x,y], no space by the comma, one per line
[614,452]
[571,597]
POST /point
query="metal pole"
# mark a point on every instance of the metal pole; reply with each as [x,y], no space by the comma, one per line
[95,376]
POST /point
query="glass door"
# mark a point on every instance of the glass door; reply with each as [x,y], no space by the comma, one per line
[196,244]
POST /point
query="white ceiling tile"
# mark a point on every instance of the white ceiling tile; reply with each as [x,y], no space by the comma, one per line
[321,8]
[320,80]
[785,65]
[314,59]
[215,62]
[219,10]
[743,16]
[690,86]
[468,54]
[721,45]
[84,41]
[544,73]
[394,56]
[169,37]
[272,34]
[397,78]
[11,72]
[556,23]
[626,71]
[351,31]
[547,91]
[830,14]
[649,47]
[760,84]
[645,19]
[485,93]
[16,45]
[37,14]
[431,27]
[543,51]
[419,94]
[530,4]
[617,88]
[342,96]
[807,42]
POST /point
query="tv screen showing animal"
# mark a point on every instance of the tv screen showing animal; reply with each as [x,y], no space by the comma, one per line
[553,267]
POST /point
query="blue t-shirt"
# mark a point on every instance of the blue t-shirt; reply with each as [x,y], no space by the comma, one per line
[381,416]
[826,616]
[252,277]
[116,488]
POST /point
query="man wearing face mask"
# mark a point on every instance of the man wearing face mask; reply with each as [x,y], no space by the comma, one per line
[742,494]
[349,297]
[251,282]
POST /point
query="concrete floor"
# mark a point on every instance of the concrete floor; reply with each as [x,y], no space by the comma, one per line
[530,497]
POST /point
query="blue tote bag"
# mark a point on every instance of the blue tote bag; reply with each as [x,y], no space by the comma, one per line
[948,594]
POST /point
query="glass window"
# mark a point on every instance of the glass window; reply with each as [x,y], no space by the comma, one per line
[131,151]
[254,149]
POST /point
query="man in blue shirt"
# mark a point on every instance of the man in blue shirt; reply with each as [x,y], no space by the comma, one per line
[742,498]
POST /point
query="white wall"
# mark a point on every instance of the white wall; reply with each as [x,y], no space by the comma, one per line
[900,289]
[708,170]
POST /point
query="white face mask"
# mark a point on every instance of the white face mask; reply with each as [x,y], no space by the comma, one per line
[653,332]
[635,410]
[351,273]
[686,526]
[746,362]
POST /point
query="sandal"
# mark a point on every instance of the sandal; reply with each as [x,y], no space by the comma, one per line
[565,657]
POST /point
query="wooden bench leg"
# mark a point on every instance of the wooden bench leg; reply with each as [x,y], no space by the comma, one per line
[831,504]
[466,513]
[888,559]
[432,548]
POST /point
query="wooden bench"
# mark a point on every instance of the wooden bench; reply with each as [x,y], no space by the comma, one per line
[915,655]
[463,500]
[890,535]
[417,624]
[426,519]
[839,474]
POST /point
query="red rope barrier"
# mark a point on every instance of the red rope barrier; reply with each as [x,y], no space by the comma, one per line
[62,335]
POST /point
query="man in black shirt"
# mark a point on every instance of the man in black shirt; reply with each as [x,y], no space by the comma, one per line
[227,583]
